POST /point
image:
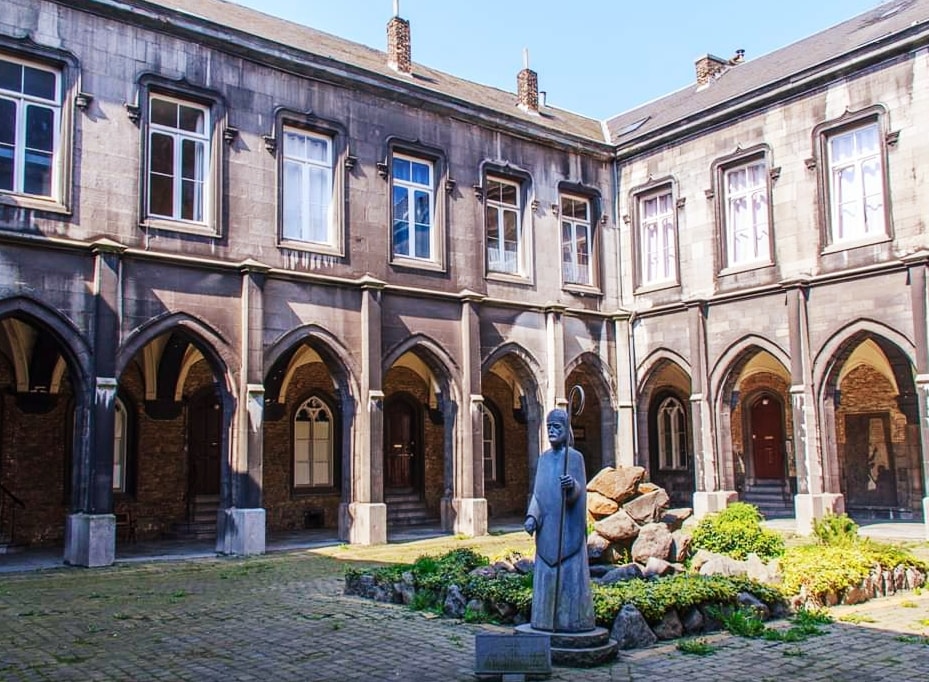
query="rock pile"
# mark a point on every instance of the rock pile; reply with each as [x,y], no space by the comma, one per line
[631,521]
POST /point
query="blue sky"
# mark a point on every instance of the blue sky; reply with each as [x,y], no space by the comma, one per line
[595,57]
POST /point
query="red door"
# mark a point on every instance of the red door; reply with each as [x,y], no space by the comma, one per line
[767,426]
[204,443]
[401,446]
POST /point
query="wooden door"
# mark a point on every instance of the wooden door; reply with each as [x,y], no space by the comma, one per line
[204,443]
[767,428]
[401,444]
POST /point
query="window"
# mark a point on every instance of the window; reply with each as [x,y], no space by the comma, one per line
[120,431]
[856,183]
[672,434]
[30,128]
[490,446]
[179,148]
[657,238]
[746,213]
[414,230]
[313,445]
[502,220]
[576,239]
[308,189]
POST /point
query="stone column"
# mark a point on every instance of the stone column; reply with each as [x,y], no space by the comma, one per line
[241,525]
[90,531]
[812,501]
[918,296]
[624,442]
[468,514]
[363,520]
[714,488]
[555,394]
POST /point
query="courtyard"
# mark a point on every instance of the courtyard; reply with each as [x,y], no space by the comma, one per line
[283,616]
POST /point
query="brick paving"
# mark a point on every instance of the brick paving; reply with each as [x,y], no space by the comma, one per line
[284,617]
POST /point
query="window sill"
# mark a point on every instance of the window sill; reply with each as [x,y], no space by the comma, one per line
[745,267]
[311,247]
[414,264]
[168,225]
[582,289]
[508,278]
[34,203]
[313,492]
[656,286]
[837,247]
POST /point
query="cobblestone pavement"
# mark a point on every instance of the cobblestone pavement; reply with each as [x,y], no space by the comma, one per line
[283,617]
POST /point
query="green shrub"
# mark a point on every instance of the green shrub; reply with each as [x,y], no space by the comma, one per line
[835,530]
[653,597]
[822,569]
[737,532]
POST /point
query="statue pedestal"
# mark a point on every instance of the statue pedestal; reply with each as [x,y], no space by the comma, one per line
[577,649]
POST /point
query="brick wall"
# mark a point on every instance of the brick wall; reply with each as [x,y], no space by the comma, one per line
[511,497]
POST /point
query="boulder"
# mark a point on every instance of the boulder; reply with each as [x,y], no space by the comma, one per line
[597,571]
[617,527]
[617,484]
[655,567]
[855,595]
[488,572]
[455,603]
[723,565]
[476,606]
[700,557]
[760,571]
[680,546]
[597,546]
[621,574]
[647,487]
[674,518]
[600,505]
[630,629]
[524,566]
[692,621]
[654,541]
[649,507]
[503,566]
[406,587]
[670,626]
[758,607]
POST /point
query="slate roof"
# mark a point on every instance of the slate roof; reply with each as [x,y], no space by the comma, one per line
[319,44]
[753,76]
[764,73]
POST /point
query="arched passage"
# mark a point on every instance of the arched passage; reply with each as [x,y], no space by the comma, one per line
[46,461]
[310,403]
[871,445]
[595,426]
[511,427]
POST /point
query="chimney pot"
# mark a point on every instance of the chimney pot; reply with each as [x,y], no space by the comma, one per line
[399,49]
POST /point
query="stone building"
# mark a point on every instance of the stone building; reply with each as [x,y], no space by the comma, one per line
[255,278]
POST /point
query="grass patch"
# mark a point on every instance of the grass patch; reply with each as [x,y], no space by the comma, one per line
[909,604]
[913,639]
[855,618]
[696,647]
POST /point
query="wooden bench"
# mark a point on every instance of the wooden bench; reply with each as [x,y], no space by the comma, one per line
[125,526]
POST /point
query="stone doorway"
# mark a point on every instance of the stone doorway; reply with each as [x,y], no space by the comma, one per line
[767,438]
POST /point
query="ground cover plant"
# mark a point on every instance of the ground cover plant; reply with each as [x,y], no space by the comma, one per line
[737,532]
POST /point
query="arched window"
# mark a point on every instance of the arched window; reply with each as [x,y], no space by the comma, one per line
[672,434]
[313,445]
[120,433]
[490,446]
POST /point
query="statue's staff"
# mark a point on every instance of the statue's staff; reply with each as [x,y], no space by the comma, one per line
[569,443]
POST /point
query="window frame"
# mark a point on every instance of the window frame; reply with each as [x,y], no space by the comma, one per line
[723,169]
[824,134]
[333,486]
[120,446]
[639,197]
[679,459]
[591,198]
[311,126]
[523,260]
[66,69]
[498,475]
[435,159]
[151,87]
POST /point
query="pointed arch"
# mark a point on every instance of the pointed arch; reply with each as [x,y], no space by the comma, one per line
[724,370]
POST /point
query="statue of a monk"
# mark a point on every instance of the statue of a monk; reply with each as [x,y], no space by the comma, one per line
[557,516]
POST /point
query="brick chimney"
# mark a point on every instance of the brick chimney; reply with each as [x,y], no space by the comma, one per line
[399,50]
[527,87]
[709,67]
